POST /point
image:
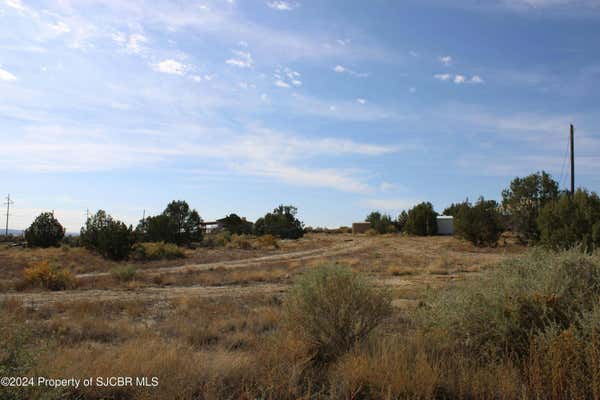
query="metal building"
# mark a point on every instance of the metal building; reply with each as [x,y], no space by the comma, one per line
[445,225]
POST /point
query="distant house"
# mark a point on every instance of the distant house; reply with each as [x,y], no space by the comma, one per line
[360,227]
[212,226]
[445,225]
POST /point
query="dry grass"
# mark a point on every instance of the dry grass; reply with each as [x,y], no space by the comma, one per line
[233,347]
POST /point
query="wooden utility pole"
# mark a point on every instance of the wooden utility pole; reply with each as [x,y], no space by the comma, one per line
[572,161]
[8,203]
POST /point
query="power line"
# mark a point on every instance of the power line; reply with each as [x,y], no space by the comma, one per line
[8,203]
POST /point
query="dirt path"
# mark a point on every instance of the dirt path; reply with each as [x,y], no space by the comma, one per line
[301,255]
[170,292]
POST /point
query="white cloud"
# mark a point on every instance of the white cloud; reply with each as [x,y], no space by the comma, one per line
[361,101]
[7,76]
[446,60]
[341,69]
[282,5]
[60,27]
[170,67]
[16,4]
[458,79]
[281,84]
[135,42]
[243,59]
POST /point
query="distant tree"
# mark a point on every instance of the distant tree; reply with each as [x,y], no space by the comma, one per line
[110,237]
[282,222]
[177,224]
[455,208]
[480,224]
[421,220]
[571,221]
[45,231]
[524,199]
[236,225]
[401,221]
[381,223]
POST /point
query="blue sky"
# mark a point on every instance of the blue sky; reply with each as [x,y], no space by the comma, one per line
[337,107]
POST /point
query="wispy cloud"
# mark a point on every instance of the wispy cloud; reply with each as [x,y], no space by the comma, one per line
[341,69]
[7,76]
[243,59]
[459,78]
[283,5]
[446,60]
[170,67]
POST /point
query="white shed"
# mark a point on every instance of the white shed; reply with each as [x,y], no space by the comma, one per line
[445,225]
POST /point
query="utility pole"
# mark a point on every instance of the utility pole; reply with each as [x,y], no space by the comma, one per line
[572,161]
[8,203]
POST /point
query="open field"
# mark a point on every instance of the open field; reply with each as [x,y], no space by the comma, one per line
[206,325]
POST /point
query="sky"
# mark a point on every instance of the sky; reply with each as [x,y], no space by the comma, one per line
[336,107]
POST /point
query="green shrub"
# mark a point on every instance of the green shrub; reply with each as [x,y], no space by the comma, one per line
[499,314]
[218,239]
[524,199]
[16,356]
[455,208]
[480,224]
[381,223]
[177,224]
[108,236]
[48,276]
[421,220]
[332,309]
[236,225]
[282,223]
[124,273]
[45,231]
[571,221]
[156,251]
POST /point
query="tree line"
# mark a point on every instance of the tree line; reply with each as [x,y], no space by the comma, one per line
[178,224]
[532,207]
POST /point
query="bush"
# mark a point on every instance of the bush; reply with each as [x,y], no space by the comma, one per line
[219,239]
[124,273]
[282,222]
[240,242]
[177,224]
[156,251]
[48,276]
[267,242]
[421,220]
[108,236]
[381,223]
[236,225]
[571,221]
[332,309]
[523,201]
[480,224]
[455,208]
[501,313]
[45,231]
